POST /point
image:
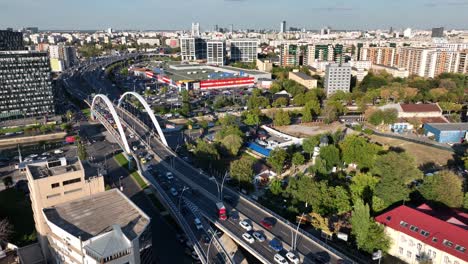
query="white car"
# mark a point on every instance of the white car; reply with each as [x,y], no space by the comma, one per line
[292,257]
[280,259]
[247,237]
[135,148]
[58,151]
[131,136]
[245,225]
[169,175]
[198,223]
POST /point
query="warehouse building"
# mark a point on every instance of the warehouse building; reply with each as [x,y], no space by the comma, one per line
[447,132]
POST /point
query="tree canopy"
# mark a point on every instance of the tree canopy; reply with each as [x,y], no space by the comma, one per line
[445,187]
[242,170]
[356,149]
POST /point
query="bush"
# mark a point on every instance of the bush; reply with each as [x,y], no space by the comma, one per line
[368,131]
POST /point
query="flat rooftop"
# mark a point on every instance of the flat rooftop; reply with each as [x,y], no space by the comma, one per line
[449,126]
[93,215]
[302,75]
[53,167]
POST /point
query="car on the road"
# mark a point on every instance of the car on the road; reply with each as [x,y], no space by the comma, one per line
[135,148]
[131,135]
[198,223]
[245,225]
[292,257]
[174,192]
[247,237]
[169,175]
[280,259]
[266,223]
[275,244]
[58,151]
[234,215]
[258,236]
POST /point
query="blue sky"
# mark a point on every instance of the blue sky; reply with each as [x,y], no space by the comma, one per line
[178,14]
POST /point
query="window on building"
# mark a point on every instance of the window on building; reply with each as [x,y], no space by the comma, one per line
[460,248]
[447,243]
[403,224]
[72,191]
[53,195]
[447,260]
[400,251]
[71,181]
[55,185]
[434,239]
[424,233]
[414,228]
[408,254]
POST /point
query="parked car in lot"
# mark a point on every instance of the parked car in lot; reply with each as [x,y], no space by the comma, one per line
[245,225]
[198,223]
[247,237]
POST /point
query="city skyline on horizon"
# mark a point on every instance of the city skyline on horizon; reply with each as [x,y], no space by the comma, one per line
[253,14]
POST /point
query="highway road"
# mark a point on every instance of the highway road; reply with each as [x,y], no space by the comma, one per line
[193,178]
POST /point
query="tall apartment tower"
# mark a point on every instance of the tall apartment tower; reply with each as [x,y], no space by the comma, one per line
[62,57]
[215,51]
[379,55]
[195,29]
[463,62]
[283,27]
[10,40]
[244,50]
[26,89]
[437,32]
[192,49]
[290,55]
[57,181]
[337,78]
[428,62]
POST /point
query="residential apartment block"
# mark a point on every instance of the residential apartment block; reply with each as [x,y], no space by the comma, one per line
[290,55]
[192,48]
[26,87]
[424,234]
[303,79]
[62,57]
[337,78]
[10,40]
[244,50]
[386,56]
[215,52]
[428,62]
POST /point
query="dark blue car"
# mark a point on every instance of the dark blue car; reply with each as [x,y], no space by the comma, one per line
[276,245]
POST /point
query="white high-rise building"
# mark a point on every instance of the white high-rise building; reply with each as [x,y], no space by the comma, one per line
[244,50]
[195,29]
[283,27]
[192,48]
[407,33]
[109,31]
[215,51]
[62,57]
[337,78]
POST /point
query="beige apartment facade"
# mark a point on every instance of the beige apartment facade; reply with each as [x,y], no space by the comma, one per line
[57,181]
[303,79]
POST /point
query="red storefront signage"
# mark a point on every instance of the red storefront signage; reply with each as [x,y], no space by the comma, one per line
[246,81]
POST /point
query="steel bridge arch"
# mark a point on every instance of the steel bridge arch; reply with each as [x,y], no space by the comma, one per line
[149,111]
[114,114]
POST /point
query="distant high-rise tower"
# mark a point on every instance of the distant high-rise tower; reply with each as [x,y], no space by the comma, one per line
[438,32]
[195,29]
[232,28]
[109,31]
[283,27]
[325,31]
[216,28]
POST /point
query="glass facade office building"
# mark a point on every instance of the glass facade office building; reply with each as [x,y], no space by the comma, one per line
[25,85]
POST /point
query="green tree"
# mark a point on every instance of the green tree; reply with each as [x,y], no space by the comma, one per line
[242,170]
[280,102]
[228,130]
[186,107]
[281,118]
[275,187]
[362,186]
[258,102]
[445,187]
[298,159]
[331,155]
[205,152]
[82,153]
[232,143]
[332,110]
[228,120]
[69,115]
[398,165]
[310,143]
[369,235]
[252,117]
[357,150]
[277,159]
[340,200]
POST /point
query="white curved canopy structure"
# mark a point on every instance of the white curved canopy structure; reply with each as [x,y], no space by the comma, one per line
[149,111]
[109,105]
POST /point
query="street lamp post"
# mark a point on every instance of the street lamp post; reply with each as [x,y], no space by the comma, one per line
[120,183]
[180,197]
[209,246]
[297,231]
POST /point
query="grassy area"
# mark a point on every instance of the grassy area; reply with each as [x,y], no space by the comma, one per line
[87,112]
[15,206]
[139,180]
[123,162]
[156,202]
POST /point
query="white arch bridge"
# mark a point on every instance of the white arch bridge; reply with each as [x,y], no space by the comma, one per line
[101,98]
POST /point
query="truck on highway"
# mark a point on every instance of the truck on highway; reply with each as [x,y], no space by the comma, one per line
[221,211]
